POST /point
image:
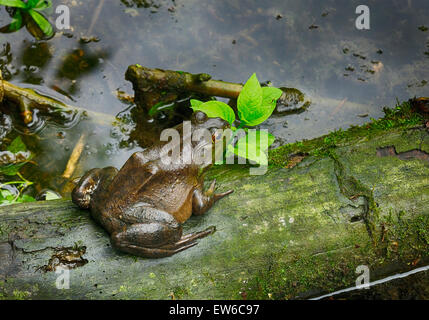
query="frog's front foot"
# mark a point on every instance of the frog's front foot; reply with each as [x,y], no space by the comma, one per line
[139,239]
[203,201]
[217,196]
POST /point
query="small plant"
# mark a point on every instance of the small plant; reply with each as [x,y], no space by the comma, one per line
[255,104]
[24,11]
[7,189]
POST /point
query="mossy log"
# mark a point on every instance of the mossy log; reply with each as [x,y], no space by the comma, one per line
[296,232]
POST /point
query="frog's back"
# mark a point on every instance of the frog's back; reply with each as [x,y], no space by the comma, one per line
[168,188]
[172,191]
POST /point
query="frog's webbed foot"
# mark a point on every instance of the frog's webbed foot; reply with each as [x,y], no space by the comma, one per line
[203,201]
[144,240]
[216,196]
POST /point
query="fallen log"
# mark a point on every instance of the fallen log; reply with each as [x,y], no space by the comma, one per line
[301,230]
[155,86]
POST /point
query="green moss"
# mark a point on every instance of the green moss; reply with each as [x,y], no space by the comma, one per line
[403,243]
[400,117]
[395,229]
[15,294]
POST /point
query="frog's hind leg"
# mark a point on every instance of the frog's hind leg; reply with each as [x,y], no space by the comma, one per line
[155,239]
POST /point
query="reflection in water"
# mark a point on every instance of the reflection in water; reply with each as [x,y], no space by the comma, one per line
[34,58]
[7,69]
[76,64]
[141,3]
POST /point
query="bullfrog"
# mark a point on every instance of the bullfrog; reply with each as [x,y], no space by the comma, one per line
[144,204]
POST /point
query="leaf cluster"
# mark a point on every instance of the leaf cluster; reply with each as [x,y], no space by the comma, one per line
[30,8]
[6,194]
[255,104]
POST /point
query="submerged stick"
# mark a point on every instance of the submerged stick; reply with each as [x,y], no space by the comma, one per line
[74,157]
[28,98]
[152,86]
[95,16]
[158,79]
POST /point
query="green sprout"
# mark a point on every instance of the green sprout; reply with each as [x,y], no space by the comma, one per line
[6,194]
[255,104]
[30,8]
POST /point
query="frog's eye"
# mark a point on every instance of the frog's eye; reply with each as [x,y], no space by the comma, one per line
[200,117]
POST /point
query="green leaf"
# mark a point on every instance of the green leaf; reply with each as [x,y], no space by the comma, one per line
[160,106]
[41,21]
[270,95]
[42,5]
[13,3]
[12,169]
[17,145]
[215,109]
[196,103]
[4,193]
[51,195]
[25,198]
[16,23]
[250,100]
[253,146]
[265,113]
[269,99]
[32,3]
[6,197]
[250,152]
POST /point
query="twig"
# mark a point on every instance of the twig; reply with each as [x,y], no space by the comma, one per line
[74,157]
[95,16]
[28,98]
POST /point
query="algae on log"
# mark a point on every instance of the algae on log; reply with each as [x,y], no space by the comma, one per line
[291,233]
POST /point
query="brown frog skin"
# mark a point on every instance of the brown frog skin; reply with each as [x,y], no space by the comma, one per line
[143,205]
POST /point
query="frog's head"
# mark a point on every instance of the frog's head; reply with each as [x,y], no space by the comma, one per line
[213,126]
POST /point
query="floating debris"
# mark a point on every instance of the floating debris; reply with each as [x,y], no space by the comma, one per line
[89,39]
[359,56]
